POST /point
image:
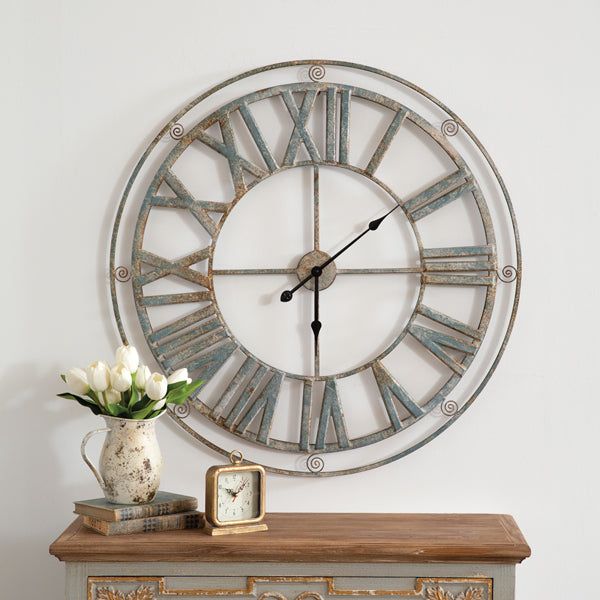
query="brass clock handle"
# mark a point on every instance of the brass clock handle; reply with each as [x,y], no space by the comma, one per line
[286,296]
[236,457]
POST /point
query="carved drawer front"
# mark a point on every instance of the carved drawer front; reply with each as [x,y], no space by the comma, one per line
[288,588]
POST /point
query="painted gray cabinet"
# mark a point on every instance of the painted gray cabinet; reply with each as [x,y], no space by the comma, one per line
[302,557]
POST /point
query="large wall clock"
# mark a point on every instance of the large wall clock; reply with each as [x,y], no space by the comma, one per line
[332,250]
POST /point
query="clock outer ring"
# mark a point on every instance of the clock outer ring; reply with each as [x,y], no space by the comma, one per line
[515,270]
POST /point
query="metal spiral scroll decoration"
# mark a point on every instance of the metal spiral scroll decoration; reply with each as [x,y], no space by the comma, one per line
[177,131]
[315,463]
[449,127]
[508,274]
[122,274]
[182,410]
[316,72]
[449,408]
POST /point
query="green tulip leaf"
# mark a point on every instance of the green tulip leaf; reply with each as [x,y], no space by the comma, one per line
[135,397]
[176,386]
[180,395]
[83,401]
[79,399]
[63,378]
[115,410]
[93,407]
[138,405]
[144,412]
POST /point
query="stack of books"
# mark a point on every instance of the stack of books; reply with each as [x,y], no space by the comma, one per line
[166,512]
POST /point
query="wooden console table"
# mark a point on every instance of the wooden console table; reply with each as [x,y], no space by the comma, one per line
[303,556]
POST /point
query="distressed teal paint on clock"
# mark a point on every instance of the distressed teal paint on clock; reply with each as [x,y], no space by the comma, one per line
[203,341]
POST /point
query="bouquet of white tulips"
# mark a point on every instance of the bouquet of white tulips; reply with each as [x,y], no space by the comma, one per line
[127,390]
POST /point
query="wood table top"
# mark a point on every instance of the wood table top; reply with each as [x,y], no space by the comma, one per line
[314,537]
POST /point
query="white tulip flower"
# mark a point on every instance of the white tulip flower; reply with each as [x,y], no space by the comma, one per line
[159,404]
[179,375]
[128,356]
[98,376]
[120,377]
[77,381]
[156,386]
[141,377]
[112,396]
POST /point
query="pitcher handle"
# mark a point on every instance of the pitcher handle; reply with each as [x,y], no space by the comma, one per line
[87,461]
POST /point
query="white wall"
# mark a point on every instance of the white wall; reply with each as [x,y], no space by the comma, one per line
[84,87]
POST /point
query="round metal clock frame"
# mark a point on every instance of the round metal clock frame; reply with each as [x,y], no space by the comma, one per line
[316,70]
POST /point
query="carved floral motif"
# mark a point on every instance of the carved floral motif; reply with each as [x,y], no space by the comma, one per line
[142,593]
[438,593]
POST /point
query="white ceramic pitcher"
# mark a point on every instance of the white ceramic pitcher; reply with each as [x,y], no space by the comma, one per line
[130,463]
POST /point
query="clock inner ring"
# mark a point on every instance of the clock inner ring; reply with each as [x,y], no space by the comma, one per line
[312,259]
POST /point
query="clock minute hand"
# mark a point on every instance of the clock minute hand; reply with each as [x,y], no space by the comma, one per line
[286,296]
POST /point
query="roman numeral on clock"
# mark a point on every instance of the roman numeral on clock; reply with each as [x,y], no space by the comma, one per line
[197,341]
[439,194]
[300,134]
[386,141]
[184,199]
[180,268]
[438,343]
[461,265]
[257,136]
[245,383]
[391,390]
[331,413]
[228,148]
[266,402]
[342,126]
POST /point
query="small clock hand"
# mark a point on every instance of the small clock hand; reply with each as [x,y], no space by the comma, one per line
[286,296]
[244,484]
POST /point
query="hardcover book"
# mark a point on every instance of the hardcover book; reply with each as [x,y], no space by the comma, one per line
[164,503]
[184,520]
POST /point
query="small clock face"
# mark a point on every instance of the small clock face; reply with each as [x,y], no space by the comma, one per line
[332,258]
[238,496]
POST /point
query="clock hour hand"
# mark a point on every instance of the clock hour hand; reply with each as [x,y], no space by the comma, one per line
[287,295]
[316,324]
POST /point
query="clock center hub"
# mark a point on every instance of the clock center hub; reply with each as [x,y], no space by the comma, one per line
[315,258]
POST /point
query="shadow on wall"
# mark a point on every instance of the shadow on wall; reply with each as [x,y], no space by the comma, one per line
[37,490]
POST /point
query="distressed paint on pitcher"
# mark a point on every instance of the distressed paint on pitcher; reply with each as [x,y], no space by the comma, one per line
[130,463]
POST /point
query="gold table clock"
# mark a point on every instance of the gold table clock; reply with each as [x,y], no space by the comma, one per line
[235,497]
